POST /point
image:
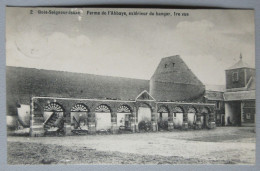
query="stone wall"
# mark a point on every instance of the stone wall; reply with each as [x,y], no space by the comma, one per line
[38,105]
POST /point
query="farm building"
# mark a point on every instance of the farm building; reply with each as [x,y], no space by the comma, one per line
[56,101]
[215,95]
[240,94]
[235,103]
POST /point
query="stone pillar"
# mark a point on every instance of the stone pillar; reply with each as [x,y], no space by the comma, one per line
[91,123]
[67,128]
[154,122]
[132,121]
[67,124]
[185,121]
[114,128]
[212,123]
[36,130]
[198,121]
[242,113]
[170,122]
[36,123]
[136,119]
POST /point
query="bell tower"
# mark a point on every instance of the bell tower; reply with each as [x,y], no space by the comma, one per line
[239,75]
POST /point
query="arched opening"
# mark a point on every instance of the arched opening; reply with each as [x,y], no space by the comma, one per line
[124,117]
[144,113]
[204,117]
[53,118]
[144,116]
[162,115]
[192,117]
[103,118]
[79,118]
[178,117]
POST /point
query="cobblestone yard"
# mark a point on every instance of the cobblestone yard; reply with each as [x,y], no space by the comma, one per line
[223,145]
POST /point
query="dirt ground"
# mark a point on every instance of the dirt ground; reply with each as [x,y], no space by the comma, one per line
[223,145]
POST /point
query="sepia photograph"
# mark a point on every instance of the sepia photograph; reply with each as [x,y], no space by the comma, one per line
[128,86]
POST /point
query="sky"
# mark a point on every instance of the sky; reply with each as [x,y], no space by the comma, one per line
[209,41]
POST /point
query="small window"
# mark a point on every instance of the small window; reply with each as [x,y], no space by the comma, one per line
[175,115]
[173,64]
[248,116]
[165,65]
[235,76]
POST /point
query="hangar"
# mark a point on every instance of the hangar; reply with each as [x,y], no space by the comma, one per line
[57,101]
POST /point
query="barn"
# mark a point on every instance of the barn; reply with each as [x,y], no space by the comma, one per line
[71,103]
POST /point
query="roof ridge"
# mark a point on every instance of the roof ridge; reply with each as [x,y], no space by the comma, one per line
[51,70]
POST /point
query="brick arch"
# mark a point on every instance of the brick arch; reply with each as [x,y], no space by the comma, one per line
[119,104]
[122,108]
[192,109]
[143,104]
[192,119]
[54,107]
[103,108]
[97,104]
[178,109]
[79,107]
[163,108]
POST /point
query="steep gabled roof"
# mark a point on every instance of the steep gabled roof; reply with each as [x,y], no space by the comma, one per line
[174,81]
[174,70]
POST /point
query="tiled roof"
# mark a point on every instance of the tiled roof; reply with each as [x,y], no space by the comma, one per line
[23,83]
[239,95]
[240,64]
[173,80]
[174,70]
[214,95]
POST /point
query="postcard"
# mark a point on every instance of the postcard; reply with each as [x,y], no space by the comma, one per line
[124,86]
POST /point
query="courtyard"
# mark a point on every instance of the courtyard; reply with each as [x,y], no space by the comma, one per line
[223,145]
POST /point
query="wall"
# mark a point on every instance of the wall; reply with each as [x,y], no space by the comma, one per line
[248,109]
[241,78]
[233,110]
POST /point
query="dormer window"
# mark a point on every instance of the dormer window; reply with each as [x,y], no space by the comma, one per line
[235,76]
